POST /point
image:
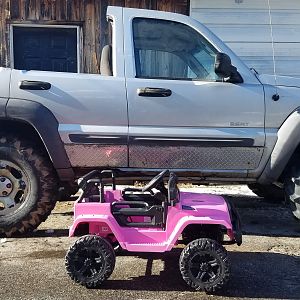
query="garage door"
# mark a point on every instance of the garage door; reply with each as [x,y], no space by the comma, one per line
[45,48]
[245,27]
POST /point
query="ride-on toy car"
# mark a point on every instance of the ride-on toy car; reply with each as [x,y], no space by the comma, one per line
[154,218]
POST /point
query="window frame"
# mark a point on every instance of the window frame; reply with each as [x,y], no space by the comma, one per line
[167,78]
[24,25]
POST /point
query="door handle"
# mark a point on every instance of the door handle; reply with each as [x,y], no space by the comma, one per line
[34,85]
[154,92]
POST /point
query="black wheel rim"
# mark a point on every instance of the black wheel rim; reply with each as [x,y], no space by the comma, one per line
[205,268]
[89,263]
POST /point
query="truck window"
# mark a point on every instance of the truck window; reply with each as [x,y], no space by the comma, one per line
[46,48]
[171,50]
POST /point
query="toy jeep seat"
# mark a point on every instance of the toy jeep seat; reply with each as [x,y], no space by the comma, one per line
[138,214]
[135,194]
[138,209]
[146,193]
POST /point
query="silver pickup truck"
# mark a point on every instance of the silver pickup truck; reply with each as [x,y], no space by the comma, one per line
[170,95]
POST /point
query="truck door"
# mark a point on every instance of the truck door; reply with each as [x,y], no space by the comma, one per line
[91,109]
[181,115]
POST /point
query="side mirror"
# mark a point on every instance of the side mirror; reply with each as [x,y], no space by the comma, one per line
[225,70]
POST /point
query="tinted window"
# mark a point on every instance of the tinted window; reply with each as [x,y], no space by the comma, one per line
[171,50]
[45,49]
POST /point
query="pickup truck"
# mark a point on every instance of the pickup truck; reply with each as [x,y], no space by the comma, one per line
[171,95]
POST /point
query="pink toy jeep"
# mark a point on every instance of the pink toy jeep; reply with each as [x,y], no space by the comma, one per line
[154,218]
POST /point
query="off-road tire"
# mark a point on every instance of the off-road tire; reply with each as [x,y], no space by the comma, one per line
[270,192]
[292,189]
[210,252]
[43,181]
[81,261]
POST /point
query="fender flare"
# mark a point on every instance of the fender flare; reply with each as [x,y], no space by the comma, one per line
[190,220]
[46,126]
[288,139]
[3,102]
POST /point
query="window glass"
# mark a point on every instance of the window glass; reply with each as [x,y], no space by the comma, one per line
[171,50]
[45,49]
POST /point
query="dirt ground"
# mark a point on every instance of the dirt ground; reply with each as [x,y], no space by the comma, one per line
[266,266]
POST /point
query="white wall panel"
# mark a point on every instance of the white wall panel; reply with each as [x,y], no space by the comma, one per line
[246,4]
[244,26]
[247,16]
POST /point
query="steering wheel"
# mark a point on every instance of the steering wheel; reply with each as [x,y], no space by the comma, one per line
[155,181]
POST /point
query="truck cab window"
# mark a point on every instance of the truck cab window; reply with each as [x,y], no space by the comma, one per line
[171,50]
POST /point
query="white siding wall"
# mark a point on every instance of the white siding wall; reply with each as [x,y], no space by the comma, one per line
[244,26]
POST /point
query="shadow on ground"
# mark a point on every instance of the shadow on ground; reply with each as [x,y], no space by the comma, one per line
[43,234]
[262,218]
[250,276]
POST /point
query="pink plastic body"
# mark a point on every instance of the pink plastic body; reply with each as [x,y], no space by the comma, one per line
[206,209]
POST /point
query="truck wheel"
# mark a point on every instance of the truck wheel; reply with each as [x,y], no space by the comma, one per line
[204,265]
[90,261]
[292,191]
[270,192]
[28,186]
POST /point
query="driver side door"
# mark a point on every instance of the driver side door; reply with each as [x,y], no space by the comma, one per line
[181,115]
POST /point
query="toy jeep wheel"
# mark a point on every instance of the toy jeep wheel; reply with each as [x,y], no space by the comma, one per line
[90,261]
[204,265]
[28,185]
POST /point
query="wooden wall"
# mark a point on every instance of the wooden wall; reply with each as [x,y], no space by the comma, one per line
[89,14]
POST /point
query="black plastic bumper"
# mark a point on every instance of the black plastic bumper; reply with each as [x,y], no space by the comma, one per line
[236,223]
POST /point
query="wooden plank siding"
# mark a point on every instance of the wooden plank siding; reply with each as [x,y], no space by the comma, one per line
[90,15]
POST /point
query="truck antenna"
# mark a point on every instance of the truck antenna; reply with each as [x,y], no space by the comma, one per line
[275,97]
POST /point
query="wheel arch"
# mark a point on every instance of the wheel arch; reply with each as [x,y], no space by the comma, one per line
[195,231]
[287,144]
[35,120]
[91,225]
[195,221]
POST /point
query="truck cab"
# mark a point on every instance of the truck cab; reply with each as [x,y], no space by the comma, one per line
[158,102]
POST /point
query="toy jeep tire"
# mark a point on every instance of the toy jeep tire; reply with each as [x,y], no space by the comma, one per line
[204,265]
[28,186]
[90,261]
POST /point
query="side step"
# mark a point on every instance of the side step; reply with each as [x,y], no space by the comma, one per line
[147,247]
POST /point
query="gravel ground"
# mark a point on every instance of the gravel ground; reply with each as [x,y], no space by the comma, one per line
[266,266]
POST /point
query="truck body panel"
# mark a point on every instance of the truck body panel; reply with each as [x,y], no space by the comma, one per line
[207,126]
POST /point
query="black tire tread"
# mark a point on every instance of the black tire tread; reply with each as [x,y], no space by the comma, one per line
[102,244]
[207,245]
[48,184]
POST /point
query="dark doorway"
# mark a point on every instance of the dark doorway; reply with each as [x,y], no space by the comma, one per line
[45,49]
